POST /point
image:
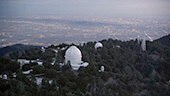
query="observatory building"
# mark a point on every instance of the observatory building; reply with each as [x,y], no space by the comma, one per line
[143,45]
[98,45]
[74,56]
[142,41]
[101,69]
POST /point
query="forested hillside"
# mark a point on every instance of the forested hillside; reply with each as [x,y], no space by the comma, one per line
[15,48]
[165,40]
[129,71]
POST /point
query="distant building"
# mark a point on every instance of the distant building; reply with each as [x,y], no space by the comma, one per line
[39,81]
[74,56]
[23,62]
[143,45]
[142,41]
[53,61]
[5,76]
[27,72]
[138,40]
[81,44]
[0,76]
[42,49]
[56,51]
[14,74]
[98,45]
[116,46]
[64,48]
[40,63]
[50,81]
[101,69]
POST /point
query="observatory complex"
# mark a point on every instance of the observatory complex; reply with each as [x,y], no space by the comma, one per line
[74,56]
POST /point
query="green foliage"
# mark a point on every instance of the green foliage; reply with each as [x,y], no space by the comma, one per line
[128,71]
[30,54]
[47,64]
[92,69]
[3,86]
[47,55]
[71,85]
[7,65]
[62,80]
[20,88]
[38,69]
[66,67]
[51,73]
[56,67]
[26,67]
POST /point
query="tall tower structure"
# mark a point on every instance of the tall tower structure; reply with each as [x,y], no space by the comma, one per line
[138,39]
[143,45]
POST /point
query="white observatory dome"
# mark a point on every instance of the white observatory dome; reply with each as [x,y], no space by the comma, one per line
[102,68]
[98,44]
[73,54]
[5,76]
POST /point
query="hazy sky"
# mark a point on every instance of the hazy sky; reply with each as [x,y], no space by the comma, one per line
[148,8]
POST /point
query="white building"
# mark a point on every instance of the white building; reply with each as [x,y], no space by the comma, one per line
[22,62]
[74,56]
[64,48]
[0,76]
[101,69]
[39,81]
[138,39]
[116,46]
[56,51]
[53,61]
[5,76]
[143,45]
[98,45]
[40,63]
[14,74]
[42,49]
[27,72]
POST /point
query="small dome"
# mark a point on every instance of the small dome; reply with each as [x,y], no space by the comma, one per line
[102,68]
[73,54]
[98,44]
[5,76]
[42,49]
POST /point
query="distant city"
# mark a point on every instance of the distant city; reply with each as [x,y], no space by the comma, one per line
[49,30]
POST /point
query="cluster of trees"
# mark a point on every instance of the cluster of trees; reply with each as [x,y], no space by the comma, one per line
[128,72]
[7,66]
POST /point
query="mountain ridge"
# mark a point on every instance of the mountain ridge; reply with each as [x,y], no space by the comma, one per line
[165,40]
[21,47]
[13,48]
